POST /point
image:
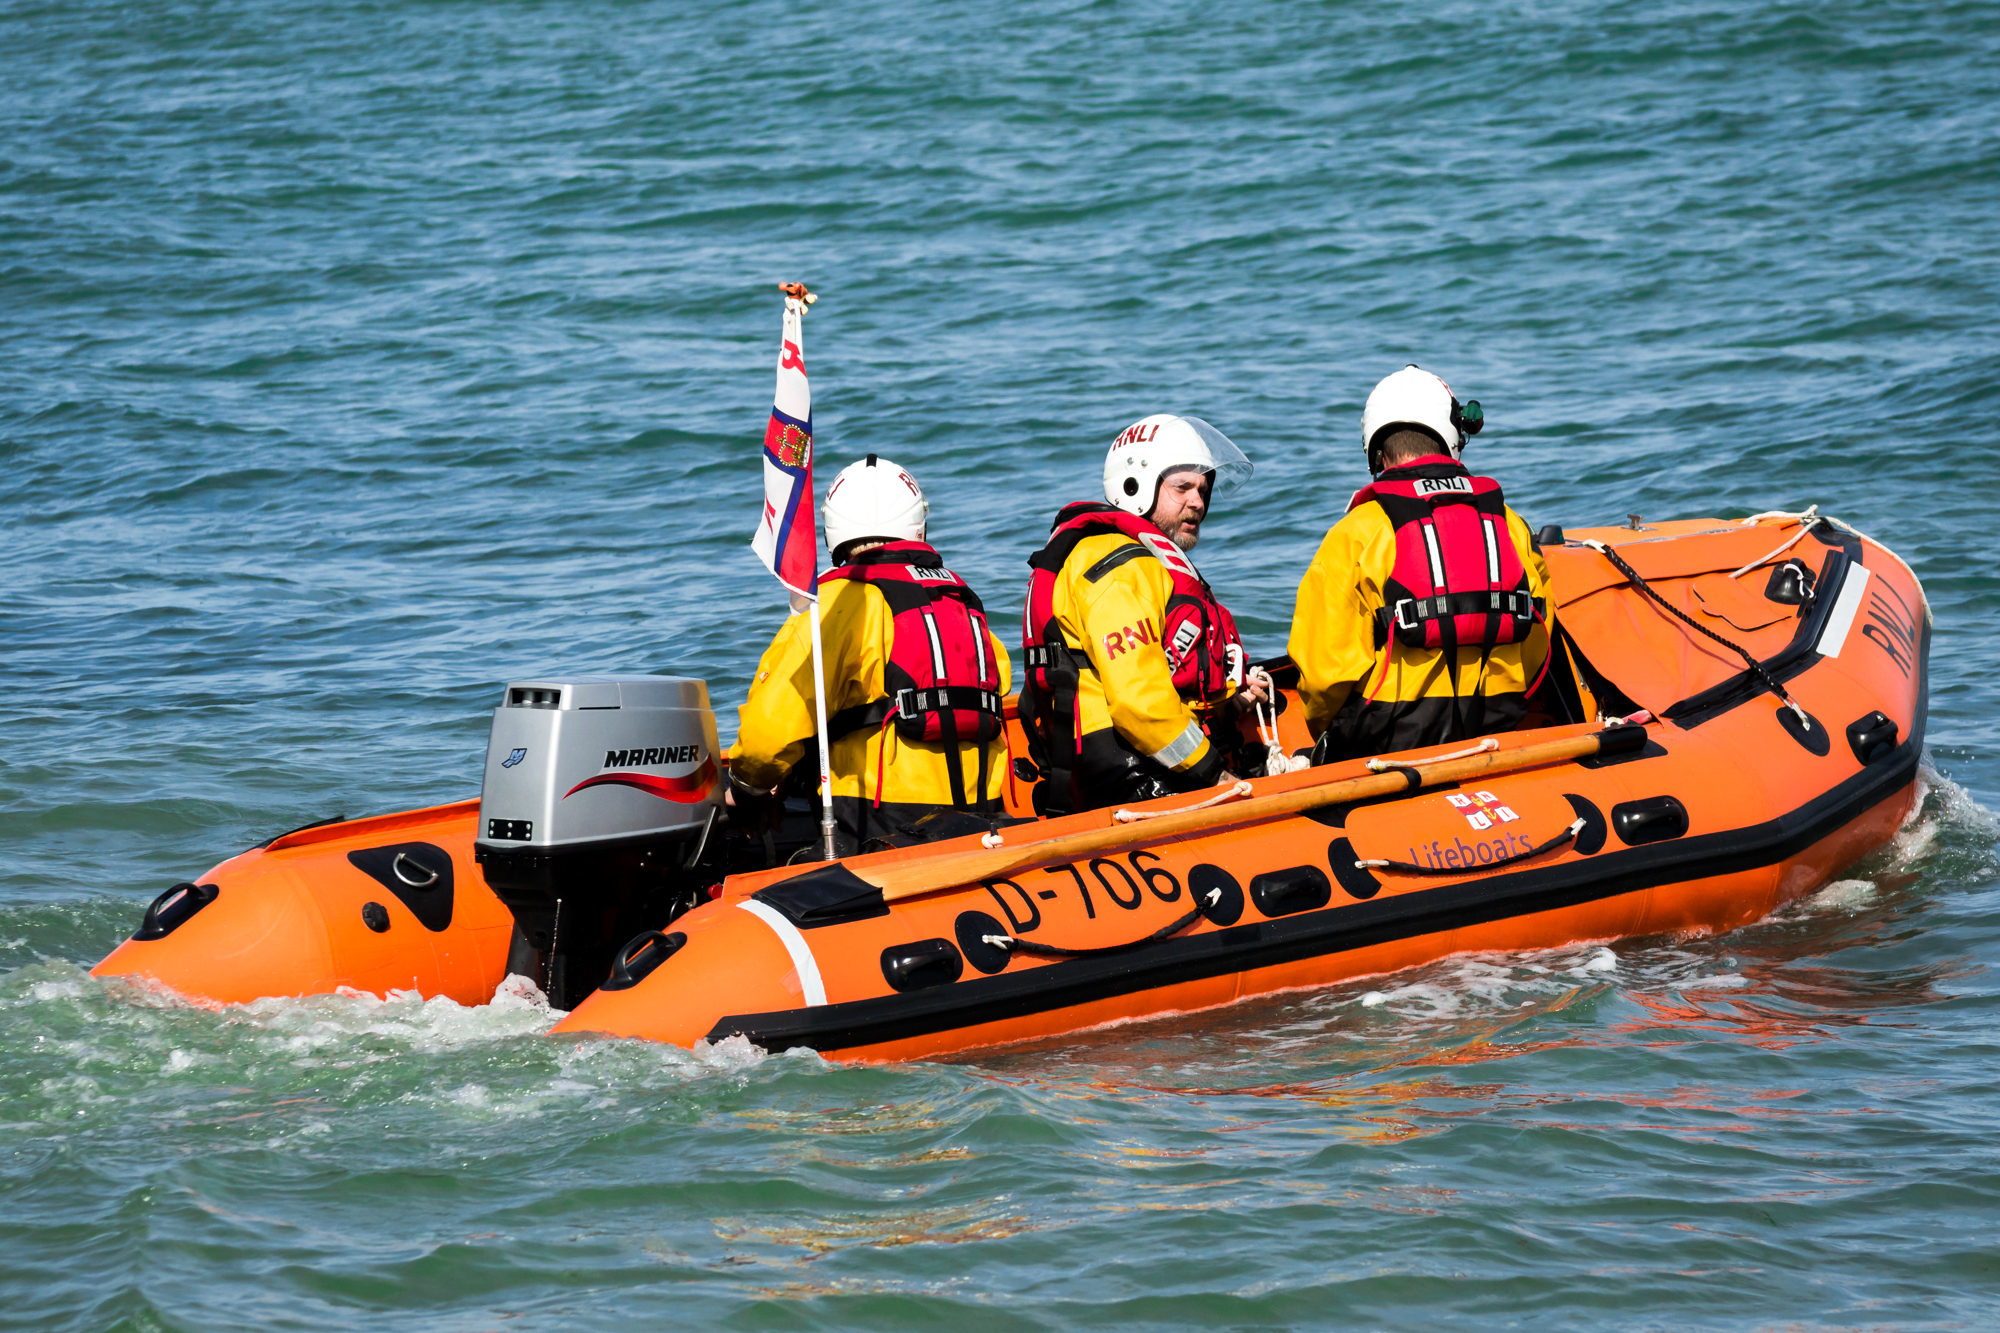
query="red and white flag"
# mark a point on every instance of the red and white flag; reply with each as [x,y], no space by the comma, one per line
[787,539]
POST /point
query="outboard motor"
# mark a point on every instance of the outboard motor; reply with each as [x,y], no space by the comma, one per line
[596,819]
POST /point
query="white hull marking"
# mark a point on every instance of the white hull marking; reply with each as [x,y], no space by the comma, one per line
[1853,589]
[795,945]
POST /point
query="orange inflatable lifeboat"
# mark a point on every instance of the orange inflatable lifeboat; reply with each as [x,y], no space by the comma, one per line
[1775,668]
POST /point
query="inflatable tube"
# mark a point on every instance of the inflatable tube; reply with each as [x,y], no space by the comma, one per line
[394,902]
[1728,806]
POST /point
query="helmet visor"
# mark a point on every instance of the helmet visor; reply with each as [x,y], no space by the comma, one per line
[1231,468]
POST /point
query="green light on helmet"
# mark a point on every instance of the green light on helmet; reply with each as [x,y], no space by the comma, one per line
[1468,417]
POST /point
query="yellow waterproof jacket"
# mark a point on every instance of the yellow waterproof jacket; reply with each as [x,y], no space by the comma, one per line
[775,724]
[1417,702]
[1115,620]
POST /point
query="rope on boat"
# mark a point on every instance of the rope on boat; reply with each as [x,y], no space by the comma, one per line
[1756,668]
[1412,868]
[1242,788]
[1384,765]
[1276,761]
[1014,943]
[1808,520]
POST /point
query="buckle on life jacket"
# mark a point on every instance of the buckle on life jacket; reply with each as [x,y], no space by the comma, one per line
[1409,616]
[911,705]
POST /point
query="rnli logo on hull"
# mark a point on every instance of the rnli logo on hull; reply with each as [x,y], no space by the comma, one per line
[1482,809]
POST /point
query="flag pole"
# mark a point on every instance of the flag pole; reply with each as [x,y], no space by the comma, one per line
[806,553]
[825,750]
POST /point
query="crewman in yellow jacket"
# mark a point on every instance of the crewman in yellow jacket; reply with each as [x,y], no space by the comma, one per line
[1424,617]
[1129,654]
[914,677]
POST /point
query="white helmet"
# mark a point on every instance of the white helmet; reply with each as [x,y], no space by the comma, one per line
[1147,450]
[874,498]
[1413,398]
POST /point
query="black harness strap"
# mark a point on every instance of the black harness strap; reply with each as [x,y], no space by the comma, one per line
[861,717]
[911,703]
[1055,657]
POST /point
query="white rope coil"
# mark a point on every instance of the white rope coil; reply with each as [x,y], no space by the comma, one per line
[1384,765]
[1241,788]
[1807,520]
[990,840]
[1276,761]
[1810,512]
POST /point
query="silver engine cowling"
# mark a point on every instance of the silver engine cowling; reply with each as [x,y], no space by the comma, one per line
[595,761]
[600,800]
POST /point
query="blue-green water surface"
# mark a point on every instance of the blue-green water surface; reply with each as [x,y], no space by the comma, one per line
[355,358]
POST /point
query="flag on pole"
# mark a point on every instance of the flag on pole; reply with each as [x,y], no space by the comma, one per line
[787,539]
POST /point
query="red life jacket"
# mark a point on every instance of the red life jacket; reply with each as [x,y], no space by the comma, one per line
[942,680]
[1199,635]
[1458,582]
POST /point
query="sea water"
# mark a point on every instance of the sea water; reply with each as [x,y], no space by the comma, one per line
[356,358]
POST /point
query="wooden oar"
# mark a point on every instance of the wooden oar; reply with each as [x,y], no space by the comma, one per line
[913,879]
